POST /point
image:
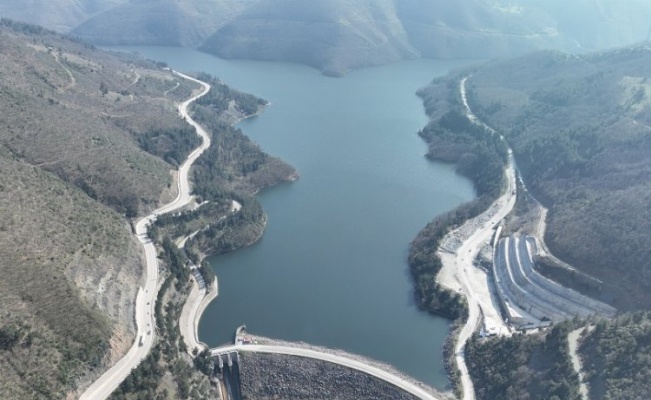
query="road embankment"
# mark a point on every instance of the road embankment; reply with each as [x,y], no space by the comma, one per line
[145,321]
[197,301]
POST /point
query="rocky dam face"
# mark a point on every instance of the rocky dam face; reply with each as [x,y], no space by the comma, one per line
[274,376]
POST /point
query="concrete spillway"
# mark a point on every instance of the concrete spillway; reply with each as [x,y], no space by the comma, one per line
[515,290]
[232,381]
[538,298]
[518,283]
[583,304]
[228,363]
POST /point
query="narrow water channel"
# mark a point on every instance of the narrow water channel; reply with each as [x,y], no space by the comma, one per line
[331,268]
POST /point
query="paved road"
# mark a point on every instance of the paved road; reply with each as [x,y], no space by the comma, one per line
[198,299]
[189,316]
[408,386]
[467,253]
[146,298]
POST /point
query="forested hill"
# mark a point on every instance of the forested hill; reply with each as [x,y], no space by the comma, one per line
[337,35]
[580,128]
[72,171]
[88,142]
[614,358]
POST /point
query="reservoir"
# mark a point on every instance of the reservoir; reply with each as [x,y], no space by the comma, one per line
[331,268]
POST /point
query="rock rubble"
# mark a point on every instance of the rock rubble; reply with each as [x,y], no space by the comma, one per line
[273,376]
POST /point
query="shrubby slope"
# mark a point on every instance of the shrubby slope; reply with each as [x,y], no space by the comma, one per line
[73,170]
[579,127]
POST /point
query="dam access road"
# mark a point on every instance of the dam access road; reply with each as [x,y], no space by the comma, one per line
[479,301]
[458,272]
[146,297]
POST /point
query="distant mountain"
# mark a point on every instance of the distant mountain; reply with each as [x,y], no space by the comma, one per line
[160,22]
[482,29]
[477,29]
[337,35]
[334,35]
[59,15]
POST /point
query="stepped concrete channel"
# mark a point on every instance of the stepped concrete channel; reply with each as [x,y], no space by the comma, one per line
[530,299]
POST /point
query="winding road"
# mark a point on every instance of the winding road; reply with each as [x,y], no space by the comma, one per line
[404,384]
[146,297]
[468,251]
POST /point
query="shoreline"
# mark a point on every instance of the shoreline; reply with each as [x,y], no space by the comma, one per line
[204,298]
[460,275]
[195,304]
[111,379]
[255,114]
[201,302]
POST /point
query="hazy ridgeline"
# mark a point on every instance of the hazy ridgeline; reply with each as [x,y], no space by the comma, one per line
[337,35]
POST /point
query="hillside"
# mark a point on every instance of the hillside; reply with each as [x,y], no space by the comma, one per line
[89,141]
[481,29]
[167,22]
[336,36]
[579,127]
[332,35]
[59,15]
[525,366]
[72,170]
[614,357]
